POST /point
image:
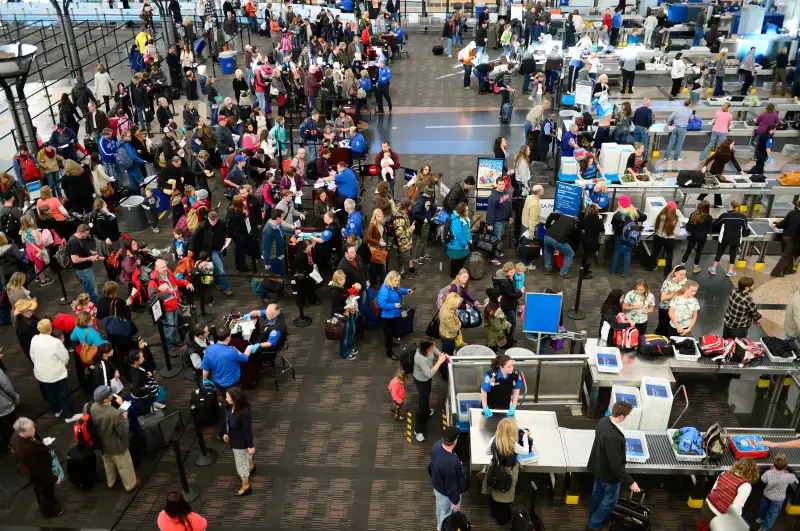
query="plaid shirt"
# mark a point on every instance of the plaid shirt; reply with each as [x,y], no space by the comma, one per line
[741,310]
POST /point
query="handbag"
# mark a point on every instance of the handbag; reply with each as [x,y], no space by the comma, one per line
[88,352]
[334,328]
[107,190]
[117,326]
[361,94]
[433,327]
[162,394]
[379,255]
[185,313]
[273,91]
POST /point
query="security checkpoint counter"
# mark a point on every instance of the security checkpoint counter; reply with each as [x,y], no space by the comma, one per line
[543,426]
[662,460]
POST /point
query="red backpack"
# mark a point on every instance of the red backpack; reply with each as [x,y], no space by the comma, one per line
[85,431]
[627,338]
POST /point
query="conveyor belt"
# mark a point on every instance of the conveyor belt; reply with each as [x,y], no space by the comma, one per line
[760,228]
[706,364]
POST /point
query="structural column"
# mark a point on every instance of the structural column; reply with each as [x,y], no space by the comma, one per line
[20,114]
[73,56]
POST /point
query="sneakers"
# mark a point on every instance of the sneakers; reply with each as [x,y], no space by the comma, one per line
[156,230]
[430,412]
[58,415]
[350,358]
[531,267]
[419,437]
[158,405]
[73,418]
[565,276]
[426,257]
[353,352]
[419,260]
[696,269]
[759,520]
[494,261]
[227,292]
[47,281]
[712,271]
[730,274]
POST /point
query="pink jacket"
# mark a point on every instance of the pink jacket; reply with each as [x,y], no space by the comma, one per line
[398,390]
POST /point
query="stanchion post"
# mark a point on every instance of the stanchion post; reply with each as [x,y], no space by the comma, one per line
[64,300]
[190,492]
[157,312]
[576,313]
[208,456]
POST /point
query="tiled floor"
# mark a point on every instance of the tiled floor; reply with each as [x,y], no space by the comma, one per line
[329,454]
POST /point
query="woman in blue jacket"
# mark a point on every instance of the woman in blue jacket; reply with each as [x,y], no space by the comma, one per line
[458,246]
[389,302]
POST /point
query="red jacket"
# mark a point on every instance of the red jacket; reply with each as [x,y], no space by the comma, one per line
[173,297]
[607,20]
[395,158]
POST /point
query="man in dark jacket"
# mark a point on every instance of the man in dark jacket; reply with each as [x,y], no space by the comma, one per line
[447,475]
[82,95]
[527,67]
[498,213]
[607,463]
[355,271]
[96,121]
[175,70]
[480,40]
[225,143]
[560,231]
[171,177]
[169,146]
[141,102]
[311,85]
[231,29]
[210,236]
[458,194]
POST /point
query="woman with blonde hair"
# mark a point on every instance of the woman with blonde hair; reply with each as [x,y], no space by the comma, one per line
[719,72]
[683,309]
[449,323]
[57,209]
[340,307]
[508,443]
[625,214]
[103,86]
[522,166]
[240,86]
[638,304]
[390,302]
[15,288]
[376,238]
[163,114]
[730,491]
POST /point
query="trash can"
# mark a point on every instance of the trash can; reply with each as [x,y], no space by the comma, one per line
[132,214]
[227,62]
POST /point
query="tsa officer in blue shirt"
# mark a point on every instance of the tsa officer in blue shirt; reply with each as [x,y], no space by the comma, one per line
[346,184]
[382,86]
[222,360]
[354,223]
[501,385]
[327,243]
[274,330]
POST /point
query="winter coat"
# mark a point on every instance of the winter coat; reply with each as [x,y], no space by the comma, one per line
[458,246]
[449,323]
[388,298]
[103,86]
[81,95]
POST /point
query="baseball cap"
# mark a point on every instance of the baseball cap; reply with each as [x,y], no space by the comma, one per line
[101,393]
[240,158]
[450,434]
[672,205]
[624,201]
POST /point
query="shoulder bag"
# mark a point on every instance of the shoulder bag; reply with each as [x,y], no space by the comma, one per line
[116,325]
[87,352]
[379,255]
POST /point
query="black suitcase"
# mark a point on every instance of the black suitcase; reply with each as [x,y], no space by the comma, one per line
[405,325]
[629,515]
[152,437]
[82,467]
[205,407]
[523,521]
[438,50]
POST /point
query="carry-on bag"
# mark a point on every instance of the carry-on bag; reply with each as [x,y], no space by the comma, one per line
[629,515]
[82,467]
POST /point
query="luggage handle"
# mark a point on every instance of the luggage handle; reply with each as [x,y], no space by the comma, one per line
[686,398]
[621,509]
[641,500]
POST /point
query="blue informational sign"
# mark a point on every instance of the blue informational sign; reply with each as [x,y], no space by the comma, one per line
[408,173]
[482,203]
[489,170]
[568,199]
[547,314]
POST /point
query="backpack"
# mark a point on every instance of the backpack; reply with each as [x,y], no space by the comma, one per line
[311,171]
[192,220]
[85,431]
[183,226]
[456,521]
[715,346]
[447,233]
[9,224]
[745,351]
[407,357]
[627,338]
[715,440]
[442,296]
[62,257]
[652,345]
[123,159]
[499,478]
[631,234]
[114,259]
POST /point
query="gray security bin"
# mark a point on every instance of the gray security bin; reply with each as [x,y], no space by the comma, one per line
[132,213]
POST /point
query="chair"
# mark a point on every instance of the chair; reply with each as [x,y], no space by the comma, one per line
[402,48]
[279,365]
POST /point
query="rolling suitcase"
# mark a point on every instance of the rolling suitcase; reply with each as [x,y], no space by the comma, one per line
[205,407]
[476,266]
[152,437]
[506,111]
[438,50]
[523,521]
[629,515]
[82,467]
[405,325]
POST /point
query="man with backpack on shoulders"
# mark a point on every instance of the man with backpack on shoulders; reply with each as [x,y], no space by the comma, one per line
[10,216]
[112,428]
[607,463]
[447,475]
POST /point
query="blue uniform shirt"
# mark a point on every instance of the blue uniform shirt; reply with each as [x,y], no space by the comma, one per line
[325,235]
[274,335]
[487,381]
[384,76]
[346,183]
[399,35]
[358,144]
[223,361]
[353,225]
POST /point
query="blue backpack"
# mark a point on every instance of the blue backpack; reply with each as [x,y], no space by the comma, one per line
[631,234]
[695,124]
[123,159]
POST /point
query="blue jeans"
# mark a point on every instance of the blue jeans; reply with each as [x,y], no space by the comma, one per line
[640,136]
[549,244]
[444,508]
[528,35]
[479,51]
[218,259]
[262,100]
[346,343]
[527,127]
[716,140]
[511,317]
[112,170]
[215,114]
[675,142]
[551,79]
[621,250]
[604,496]
[312,102]
[86,276]
[57,394]
[768,512]
[139,114]
[170,330]
[698,35]
[505,49]
[254,24]
[497,231]
[448,45]
[54,181]
[135,177]
[719,87]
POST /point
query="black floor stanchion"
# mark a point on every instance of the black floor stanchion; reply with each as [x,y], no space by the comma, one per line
[64,300]
[208,456]
[303,321]
[157,312]
[576,313]
[190,492]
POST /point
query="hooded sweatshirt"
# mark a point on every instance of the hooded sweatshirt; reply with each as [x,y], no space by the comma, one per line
[499,208]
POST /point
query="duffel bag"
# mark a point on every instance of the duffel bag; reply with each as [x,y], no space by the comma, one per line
[334,328]
[487,242]
[652,345]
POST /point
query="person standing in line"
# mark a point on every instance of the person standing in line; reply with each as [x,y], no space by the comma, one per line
[683,310]
[790,242]
[35,462]
[698,228]
[499,213]
[83,258]
[427,361]
[113,430]
[607,463]
[447,475]
[699,24]
[178,513]
[730,491]
[679,119]
[638,304]
[741,311]
[50,360]
[239,436]
[642,121]
[666,227]
[748,68]
[672,284]
[731,226]
[720,127]
[719,73]
[458,248]
[389,301]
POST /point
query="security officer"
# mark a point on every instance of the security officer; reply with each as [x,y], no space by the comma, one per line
[501,385]
[273,334]
[328,245]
